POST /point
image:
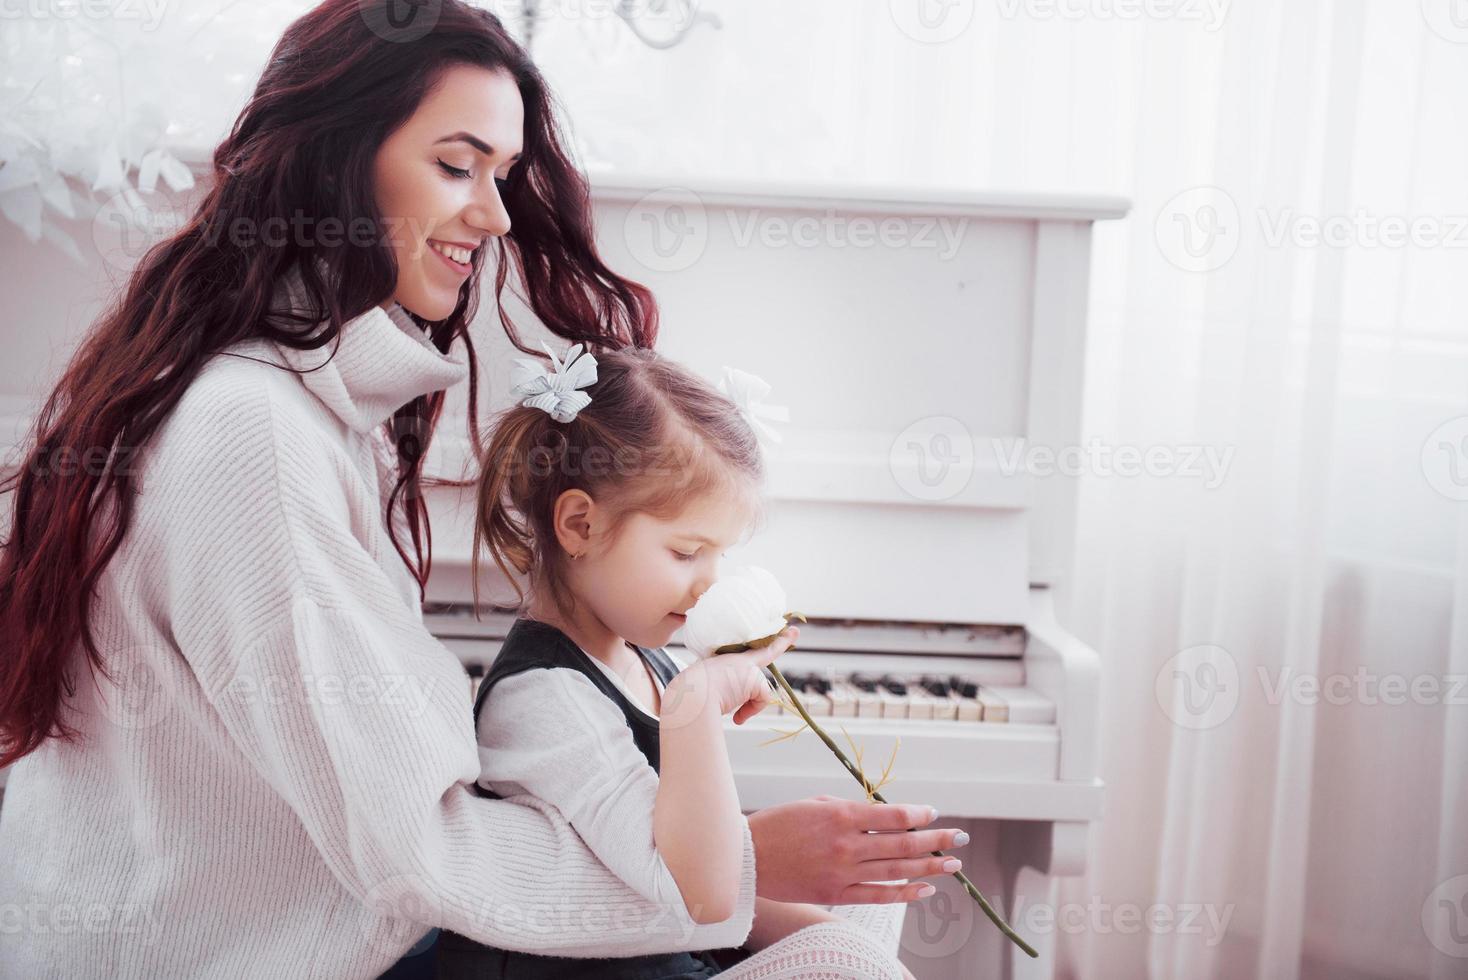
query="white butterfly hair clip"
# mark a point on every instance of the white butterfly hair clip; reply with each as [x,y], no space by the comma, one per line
[748,391]
[555,391]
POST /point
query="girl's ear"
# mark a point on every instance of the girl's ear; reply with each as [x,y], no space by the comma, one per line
[572,519]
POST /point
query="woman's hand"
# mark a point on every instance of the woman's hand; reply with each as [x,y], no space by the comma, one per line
[734,682]
[826,851]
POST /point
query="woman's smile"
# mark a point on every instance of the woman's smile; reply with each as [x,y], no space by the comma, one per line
[456,257]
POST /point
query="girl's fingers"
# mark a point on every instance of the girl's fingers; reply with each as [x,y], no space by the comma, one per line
[748,710]
[764,656]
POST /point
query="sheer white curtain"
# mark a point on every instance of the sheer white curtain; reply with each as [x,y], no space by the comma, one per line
[1284,629]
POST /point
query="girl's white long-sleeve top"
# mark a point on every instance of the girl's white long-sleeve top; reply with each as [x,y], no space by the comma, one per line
[276,779]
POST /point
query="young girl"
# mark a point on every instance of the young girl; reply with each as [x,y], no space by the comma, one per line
[615,487]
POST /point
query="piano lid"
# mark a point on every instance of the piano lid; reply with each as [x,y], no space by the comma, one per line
[922,343]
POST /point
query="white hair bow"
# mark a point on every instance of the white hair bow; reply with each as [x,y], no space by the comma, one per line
[555,390]
[748,391]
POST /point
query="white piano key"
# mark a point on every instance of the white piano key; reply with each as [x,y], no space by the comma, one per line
[944,709]
[1027,706]
[966,709]
[996,709]
[843,699]
[866,704]
[919,704]
[893,705]
[818,704]
[936,703]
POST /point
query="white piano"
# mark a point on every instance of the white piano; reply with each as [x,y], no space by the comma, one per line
[923,342]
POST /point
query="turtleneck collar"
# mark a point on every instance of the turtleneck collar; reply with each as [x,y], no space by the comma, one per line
[382,361]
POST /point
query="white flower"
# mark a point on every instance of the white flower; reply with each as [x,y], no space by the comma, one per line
[746,605]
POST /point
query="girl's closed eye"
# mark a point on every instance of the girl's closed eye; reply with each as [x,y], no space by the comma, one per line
[681,556]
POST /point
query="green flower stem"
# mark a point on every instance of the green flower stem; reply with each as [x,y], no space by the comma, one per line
[866,786]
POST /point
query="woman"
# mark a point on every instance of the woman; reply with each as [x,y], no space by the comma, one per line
[237,749]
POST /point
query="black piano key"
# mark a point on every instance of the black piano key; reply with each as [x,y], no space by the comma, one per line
[864,683]
[935,686]
[964,686]
[893,684]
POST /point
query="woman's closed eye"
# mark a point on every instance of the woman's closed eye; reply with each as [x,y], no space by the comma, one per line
[681,556]
[501,183]
[455,171]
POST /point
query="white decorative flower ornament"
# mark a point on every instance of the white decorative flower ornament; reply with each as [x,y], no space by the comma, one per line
[748,391]
[555,390]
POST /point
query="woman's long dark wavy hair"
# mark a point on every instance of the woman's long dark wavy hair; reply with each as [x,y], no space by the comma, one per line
[340,81]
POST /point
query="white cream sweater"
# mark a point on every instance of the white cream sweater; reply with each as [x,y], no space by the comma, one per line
[277,781]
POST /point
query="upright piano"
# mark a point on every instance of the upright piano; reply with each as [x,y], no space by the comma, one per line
[930,347]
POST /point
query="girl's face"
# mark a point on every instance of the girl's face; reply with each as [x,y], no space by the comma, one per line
[641,584]
[435,181]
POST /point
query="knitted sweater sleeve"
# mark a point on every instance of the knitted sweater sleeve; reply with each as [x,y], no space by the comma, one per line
[359,719]
[552,734]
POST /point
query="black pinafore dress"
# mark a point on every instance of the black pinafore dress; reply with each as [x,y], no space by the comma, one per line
[533,645]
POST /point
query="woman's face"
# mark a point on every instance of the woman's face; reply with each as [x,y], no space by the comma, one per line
[435,183]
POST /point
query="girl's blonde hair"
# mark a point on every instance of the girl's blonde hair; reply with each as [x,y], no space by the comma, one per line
[655,437]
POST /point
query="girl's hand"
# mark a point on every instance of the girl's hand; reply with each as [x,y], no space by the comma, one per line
[730,681]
